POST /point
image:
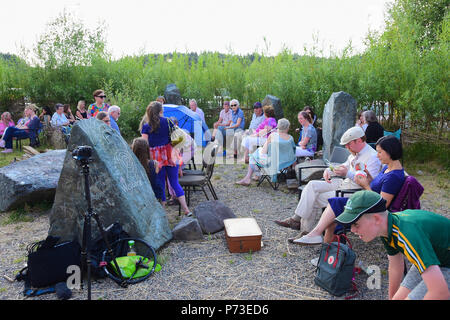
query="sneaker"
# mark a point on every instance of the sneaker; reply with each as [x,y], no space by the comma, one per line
[2,143]
[189,214]
[309,240]
[7,151]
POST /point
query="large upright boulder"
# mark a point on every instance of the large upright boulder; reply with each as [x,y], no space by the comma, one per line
[338,116]
[275,102]
[119,187]
[172,94]
[31,180]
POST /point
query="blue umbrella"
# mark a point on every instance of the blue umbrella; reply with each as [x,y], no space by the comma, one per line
[189,121]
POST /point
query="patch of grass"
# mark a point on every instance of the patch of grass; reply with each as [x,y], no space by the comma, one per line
[427,156]
[23,213]
[8,158]
[16,216]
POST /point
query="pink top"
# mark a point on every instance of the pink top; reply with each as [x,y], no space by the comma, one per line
[3,126]
[271,122]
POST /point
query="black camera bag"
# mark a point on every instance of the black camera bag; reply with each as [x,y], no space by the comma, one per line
[48,262]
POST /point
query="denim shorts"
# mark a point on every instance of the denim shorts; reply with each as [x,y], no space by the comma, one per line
[414,282]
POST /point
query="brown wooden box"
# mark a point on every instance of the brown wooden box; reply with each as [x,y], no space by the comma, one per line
[242,234]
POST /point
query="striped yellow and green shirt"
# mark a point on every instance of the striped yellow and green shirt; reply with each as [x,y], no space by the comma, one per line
[422,236]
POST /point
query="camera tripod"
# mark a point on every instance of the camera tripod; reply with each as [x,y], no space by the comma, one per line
[83,156]
[86,262]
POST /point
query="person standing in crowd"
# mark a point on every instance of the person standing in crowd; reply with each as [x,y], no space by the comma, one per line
[114,114]
[193,106]
[156,132]
[422,237]
[99,104]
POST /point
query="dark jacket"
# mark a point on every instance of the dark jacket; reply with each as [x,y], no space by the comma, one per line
[408,196]
[374,131]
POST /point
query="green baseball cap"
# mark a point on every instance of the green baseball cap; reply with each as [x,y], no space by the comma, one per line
[361,202]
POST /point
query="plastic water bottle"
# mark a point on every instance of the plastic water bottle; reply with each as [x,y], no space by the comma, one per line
[131,251]
[362,265]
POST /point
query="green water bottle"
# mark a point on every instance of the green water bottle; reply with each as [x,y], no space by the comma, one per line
[131,251]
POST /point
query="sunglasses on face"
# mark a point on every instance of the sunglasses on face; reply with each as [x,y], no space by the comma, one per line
[102,97]
[234,105]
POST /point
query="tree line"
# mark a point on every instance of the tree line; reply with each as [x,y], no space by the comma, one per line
[403,74]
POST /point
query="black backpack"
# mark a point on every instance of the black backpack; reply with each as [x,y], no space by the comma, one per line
[47,264]
[113,233]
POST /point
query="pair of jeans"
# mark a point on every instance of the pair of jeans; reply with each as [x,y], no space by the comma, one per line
[13,132]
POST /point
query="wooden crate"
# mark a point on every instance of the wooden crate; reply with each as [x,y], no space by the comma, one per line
[243,235]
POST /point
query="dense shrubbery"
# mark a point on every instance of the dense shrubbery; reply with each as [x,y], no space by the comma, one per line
[406,66]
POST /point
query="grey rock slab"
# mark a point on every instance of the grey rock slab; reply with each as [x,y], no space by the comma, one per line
[338,116]
[187,229]
[30,180]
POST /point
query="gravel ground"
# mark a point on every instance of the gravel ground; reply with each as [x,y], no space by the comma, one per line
[206,270]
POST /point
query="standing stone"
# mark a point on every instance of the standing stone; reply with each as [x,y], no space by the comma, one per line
[172,95]
[120,189]
[275,102]
[31,180]
[338,116]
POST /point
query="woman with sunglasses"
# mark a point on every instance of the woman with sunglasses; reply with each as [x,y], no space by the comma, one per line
[99,104]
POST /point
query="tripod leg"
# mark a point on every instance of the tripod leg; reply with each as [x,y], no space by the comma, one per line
[110,251]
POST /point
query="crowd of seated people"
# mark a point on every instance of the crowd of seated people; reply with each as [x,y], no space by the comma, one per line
[420,236]
[387,183]
[283,153]
[26,127]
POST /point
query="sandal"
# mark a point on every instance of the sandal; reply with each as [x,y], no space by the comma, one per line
[172,202]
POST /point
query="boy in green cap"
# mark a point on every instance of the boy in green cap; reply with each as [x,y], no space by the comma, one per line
[422,236]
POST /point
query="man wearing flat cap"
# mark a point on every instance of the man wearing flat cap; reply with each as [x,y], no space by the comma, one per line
[422,237]
[317,192]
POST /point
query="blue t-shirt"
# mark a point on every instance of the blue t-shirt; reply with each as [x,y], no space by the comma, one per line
[161,136]
[390,182]
[235,116]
